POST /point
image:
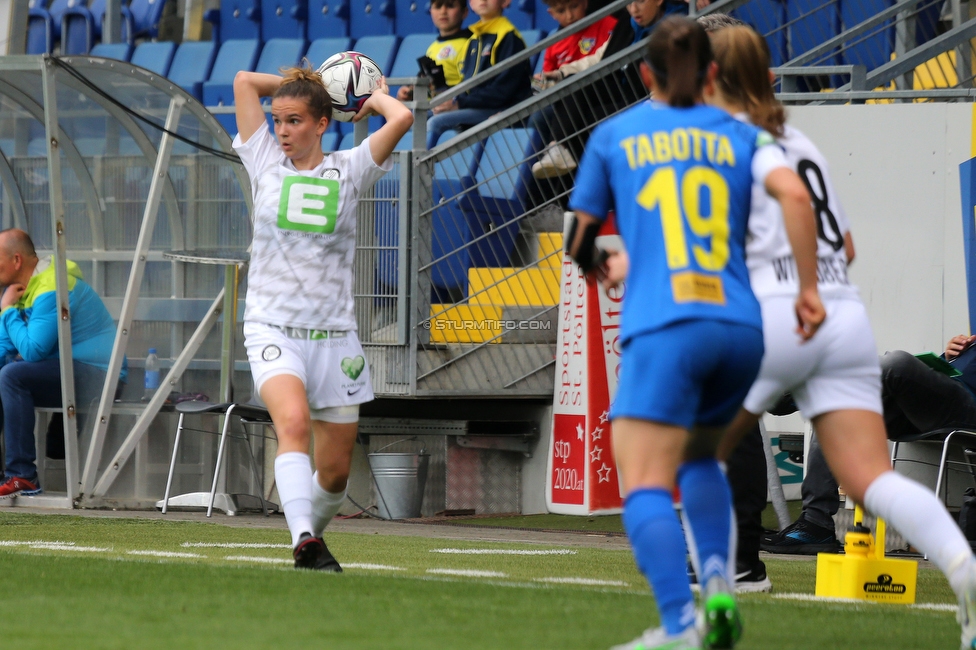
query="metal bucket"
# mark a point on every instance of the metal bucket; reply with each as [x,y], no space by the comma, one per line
[400,479]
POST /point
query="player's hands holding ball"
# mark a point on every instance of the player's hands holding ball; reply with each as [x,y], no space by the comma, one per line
[367,109]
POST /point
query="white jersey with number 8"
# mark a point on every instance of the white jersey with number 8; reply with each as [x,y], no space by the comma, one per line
[772,270]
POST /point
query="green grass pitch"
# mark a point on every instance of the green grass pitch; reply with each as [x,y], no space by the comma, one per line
[83,582]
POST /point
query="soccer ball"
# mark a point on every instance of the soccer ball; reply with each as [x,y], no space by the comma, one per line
[349,77]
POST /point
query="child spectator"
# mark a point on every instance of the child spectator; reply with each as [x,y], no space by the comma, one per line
[644,15]
[447,49]
[573,54]
[494,38]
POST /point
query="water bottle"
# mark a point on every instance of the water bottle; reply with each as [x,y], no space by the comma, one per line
[152,375]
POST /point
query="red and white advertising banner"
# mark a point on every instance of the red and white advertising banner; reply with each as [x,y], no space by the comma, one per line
[583,477]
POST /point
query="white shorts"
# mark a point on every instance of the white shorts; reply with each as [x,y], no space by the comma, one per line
[331,365]
[837,369]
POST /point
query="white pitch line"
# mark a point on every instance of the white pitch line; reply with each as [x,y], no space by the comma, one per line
[165,554]
[71,547]
[502,551]
[467,573]
[938,607]
[265,560]
[232,545]
[372,567]
[591,582]
[11,542]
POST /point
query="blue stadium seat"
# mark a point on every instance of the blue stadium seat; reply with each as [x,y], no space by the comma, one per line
[812,22]
[323,48]
[236,20]
[543,20]
[233,56]
[44,25]
[521,13]
[280,53]
[119,51]
[346,142]
[531,37]
[191,66]
[405,64]
[874,50]
[381,49]
[284,19]
[450,233]
[330,141]
[141,18]
[768,17]
[503,179]
[328,19]
[155,56]
[371,18]
[412,17]
[81,27]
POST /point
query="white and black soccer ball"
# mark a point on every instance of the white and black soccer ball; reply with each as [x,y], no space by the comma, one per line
[349,77]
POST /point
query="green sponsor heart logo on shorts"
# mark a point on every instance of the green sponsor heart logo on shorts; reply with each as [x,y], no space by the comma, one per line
[353,367]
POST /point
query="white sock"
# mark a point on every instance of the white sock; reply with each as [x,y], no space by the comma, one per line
[293,476]
[325,505]
[916,513]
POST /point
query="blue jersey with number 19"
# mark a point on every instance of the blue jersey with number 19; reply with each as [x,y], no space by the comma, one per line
[680,180]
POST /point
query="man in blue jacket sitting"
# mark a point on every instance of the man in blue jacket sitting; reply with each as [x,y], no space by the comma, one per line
[30,375]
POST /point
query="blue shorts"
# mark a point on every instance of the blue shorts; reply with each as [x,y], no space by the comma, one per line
[694,372]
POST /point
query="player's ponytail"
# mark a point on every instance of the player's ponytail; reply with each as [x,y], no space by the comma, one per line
[743,76]
[305,83]
[678,55]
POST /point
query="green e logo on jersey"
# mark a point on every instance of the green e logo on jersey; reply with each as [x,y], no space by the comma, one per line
[308,204]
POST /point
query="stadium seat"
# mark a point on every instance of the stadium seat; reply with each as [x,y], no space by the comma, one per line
[874,50]
[411,48]
[155,56]
[280,53]
[450,232]
[191,66]
[412,17]
[119,51]
[330,141]
[811,23]
[321,49]
[328,19]
[381,49]
[44,25]
[284,19]
[531,37]
[233,57]
[503,179]
[347,142]
[768,17]
[371,18]
[522,14]
[141,18]
[235,20]
[543,20]
[81,27]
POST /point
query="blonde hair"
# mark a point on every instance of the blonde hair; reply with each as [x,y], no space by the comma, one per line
[743,76]
[305,83]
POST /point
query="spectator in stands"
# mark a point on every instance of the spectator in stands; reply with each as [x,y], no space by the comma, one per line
[31,373]
[494,39]
[569,56]
[644,15]
[915,399]
[442,63]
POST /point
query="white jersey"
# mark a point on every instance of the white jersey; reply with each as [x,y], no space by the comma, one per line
[772,269]
[300,274]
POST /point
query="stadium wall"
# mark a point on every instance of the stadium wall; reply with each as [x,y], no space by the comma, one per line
[896,169]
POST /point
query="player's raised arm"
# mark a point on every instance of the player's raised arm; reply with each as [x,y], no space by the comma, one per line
[249,88]
[399,119]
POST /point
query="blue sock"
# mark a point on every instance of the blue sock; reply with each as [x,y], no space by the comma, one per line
[707,502]
[659,549]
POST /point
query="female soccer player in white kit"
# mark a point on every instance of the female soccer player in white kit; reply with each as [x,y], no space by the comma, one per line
[834,377]
[299,325]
